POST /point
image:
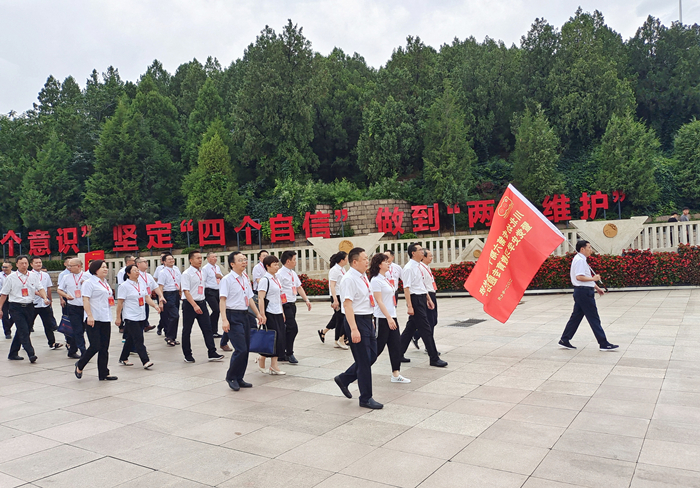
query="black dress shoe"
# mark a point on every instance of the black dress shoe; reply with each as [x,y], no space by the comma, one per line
[73,355]
[405,360]
[109,378]
[439,363]
[32,359]
[8,336]
[233,384]
[342,387]
[415,342]
[15,358]
[244,384]
[292,360]
[372,403]
[216,336]
[78,374]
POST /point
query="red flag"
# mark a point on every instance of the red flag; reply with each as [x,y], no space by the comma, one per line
[519,241]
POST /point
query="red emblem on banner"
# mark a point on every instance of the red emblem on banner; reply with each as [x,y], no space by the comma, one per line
[67,239]
[159,235]
[281,229]
[124,237]
[317,225]
[211,232]
[425,218]
[389,221]
[519,241]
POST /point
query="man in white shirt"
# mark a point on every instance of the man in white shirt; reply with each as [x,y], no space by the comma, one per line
[128,259]
[585,287]
[236,296]
[42,309]
[169,282]
[259,269]
[195,307]
[7,322]
[162,318]
[291,285]
[147,280]
[418,302]
[358,306]
[69,289]
[19,288]
[212,277]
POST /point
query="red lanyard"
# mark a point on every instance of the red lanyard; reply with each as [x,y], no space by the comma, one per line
[78,280]
[364,278]
[109,290]
[137,287]
[20,279]
[427,269]
[199,273]
[144,277]
[342,271]
[173,275]
[241,285]
[277,283]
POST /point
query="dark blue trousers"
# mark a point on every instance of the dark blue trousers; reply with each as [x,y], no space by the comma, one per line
[172,313]
[364,353]
[239,335]
[75,314]
[23,317]
[584,306]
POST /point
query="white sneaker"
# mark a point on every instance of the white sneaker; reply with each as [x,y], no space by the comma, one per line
[341,345]
[399,379]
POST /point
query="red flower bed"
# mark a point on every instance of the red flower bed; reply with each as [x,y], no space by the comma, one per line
[633,268]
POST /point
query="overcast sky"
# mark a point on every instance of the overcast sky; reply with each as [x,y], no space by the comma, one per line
[39,38]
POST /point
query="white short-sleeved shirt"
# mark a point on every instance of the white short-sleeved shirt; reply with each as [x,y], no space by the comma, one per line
[289,279]
[273,288]
[71,284]
[413,279]
[133,294]
[148,281]
[3,276]
[98,291]
[236,288]
[579,266]
[45,281]
[193,281]
[355,287]
[16,282]
[336,274]
[159,268]
[120,276]
[170,278]
[209,271]
[394,275]
[428,278]
[381,284]
[258,272]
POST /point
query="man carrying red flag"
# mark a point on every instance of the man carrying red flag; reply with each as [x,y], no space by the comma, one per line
[521,238]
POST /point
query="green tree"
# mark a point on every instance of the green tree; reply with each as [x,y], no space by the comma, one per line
[389,142]
[274,113]
[537,54]
[686,151]
[206,109]
[535,157]
[448,157]
[50,194]
[211,188]
[135,180]
[627,158]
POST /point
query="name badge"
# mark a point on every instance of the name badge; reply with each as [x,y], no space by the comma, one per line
[111,301]
[200,290]
[148,290]
[294,291]
[394,300]
[218,280]
[245,299]
[141,301]
[391,282]
[25,292]
[77,294]
[434,286]
[283,297]
[371,300]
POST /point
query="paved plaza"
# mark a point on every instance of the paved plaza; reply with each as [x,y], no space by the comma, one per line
[511,409]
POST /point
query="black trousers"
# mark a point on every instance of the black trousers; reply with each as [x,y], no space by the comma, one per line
[391,338]
[239,335]
[276,322]
[134,340]
[99,336]
[364,353]
[188,318]
[47,320]
[337,321]
[23,316]
[432,314]
[419,322]
[172,313]
[75,315]
[212,298]
[291,328]
[584,306]
[7,320]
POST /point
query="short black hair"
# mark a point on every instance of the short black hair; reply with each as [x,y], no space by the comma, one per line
[129,257]
[270,260]
[262,251]
[232,257]
[127,270]
[22,256]
[581,244]
[192,253]
[35,257]
[412,248]
[354,254]
[390,251]
[164,256]
[287,255]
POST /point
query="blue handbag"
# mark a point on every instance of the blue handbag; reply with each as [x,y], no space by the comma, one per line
[65,326]
[263,341]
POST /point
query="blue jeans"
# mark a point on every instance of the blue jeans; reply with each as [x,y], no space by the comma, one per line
[584,306]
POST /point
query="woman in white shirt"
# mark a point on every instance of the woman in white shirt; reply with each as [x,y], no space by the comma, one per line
[98,299]
[385,315]
[133,297]
[271,298]
[335,274]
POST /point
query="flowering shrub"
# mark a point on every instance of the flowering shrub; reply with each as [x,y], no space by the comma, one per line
[633,268]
